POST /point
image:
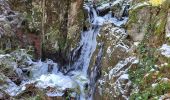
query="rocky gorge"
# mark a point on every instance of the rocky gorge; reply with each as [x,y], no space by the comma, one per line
[84,49]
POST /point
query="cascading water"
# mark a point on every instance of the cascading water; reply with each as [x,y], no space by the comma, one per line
[46,74]
[88,42]
[88,45]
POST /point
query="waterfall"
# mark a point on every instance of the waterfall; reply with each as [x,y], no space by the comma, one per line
[77,76]
[88,43]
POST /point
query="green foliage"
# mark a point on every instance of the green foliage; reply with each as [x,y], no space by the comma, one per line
[148,60]
[137,76]
[152,92]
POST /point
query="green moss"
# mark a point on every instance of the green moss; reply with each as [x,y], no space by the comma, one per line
[152,92]
[133,13]
[137,75]
[159,22]
[133,17]
[141,76]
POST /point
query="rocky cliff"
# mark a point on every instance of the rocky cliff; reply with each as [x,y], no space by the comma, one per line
[99,49]
[49,27]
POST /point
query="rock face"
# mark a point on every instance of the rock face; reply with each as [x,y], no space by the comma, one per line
[116,48]
[9,22]
[52,27]
[147,30]
[131,60]
[148,24]
[115,45]
[137,27]
[20,78]
[64,25]
[114,63]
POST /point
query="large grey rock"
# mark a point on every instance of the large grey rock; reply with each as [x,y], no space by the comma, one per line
[138,22]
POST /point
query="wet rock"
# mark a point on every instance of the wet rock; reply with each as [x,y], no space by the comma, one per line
[53,83]
[23,27]
[119,8]
[12,65]
[62,39]
[115,47]
[117,81]
[12,31]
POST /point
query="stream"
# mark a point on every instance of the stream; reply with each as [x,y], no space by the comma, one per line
[79,80]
